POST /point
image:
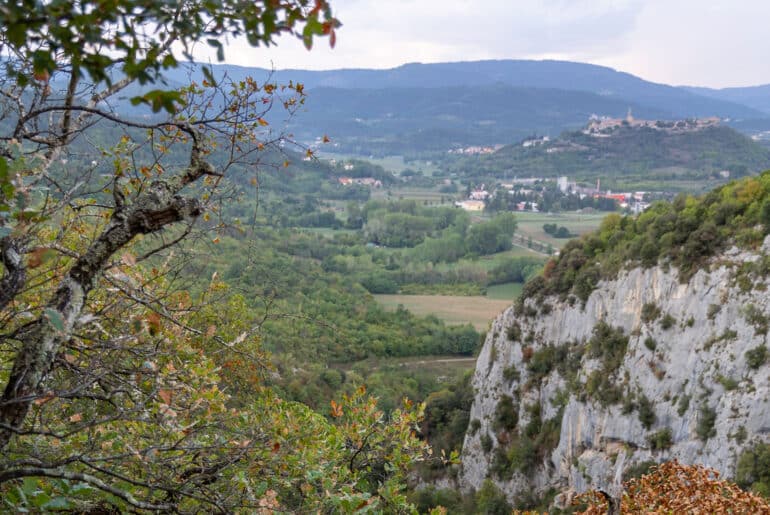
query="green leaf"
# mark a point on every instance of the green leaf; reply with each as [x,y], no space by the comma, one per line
[207,73]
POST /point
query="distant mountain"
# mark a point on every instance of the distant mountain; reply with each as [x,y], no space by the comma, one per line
[419,108]
[600,80]
[412,120]
[755,97]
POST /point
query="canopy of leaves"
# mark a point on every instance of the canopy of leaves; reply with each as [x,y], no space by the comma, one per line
[93,37]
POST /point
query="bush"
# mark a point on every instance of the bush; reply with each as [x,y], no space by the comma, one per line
[523,456]
[646,412]
[506,414]
[514,332]
[660,440]
[756,357]
[756,317]
[753,470]
[431,497]
[379,284]
[486,443]
[667,322]
[544,360]
[638,470]
[511,374]
[705,428]
[650,343]
[728,383]
[650,312]
[491,501]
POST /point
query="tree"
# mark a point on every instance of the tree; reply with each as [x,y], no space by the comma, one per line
[111,384]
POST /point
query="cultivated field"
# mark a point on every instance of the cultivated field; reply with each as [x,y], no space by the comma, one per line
[507,292]
[531,224]
[479,311]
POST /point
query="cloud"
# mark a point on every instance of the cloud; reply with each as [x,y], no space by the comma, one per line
[686,41]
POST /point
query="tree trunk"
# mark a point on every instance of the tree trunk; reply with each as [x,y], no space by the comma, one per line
[40,340]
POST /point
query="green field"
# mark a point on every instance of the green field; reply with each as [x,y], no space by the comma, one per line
[487,263]
[507,292]
[531,224]
[479,311]
[431,196]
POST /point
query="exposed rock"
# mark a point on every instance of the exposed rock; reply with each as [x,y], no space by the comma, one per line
[693,370]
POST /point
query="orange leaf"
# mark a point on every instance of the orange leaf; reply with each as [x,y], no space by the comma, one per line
[153,323]
[42,400]
[262,122]
[128,259]
[36,258]
[166,395]
[336,409]
[77,417]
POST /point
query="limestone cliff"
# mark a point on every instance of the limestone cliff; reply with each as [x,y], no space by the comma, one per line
[570,395]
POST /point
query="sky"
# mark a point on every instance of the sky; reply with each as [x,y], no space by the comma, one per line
[679,42]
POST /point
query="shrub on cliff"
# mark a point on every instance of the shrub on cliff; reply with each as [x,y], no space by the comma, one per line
[684,233]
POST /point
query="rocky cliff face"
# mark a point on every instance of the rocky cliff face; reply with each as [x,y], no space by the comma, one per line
[570,397]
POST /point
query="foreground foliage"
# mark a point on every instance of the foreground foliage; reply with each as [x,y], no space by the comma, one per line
[114,396]
[676,488]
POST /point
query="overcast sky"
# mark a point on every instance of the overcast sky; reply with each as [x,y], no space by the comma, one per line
[693,42]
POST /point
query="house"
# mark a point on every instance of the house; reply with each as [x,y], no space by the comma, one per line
[478,194]
[363,181]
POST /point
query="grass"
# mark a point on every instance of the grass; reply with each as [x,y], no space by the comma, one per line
[531,224]
[487,263]
[427,196]
[446,368]
[479,311]
[507,291]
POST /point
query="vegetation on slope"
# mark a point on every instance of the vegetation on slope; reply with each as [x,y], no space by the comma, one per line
[644,152]
[684,234]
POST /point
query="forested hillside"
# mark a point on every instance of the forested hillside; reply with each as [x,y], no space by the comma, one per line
[630,154]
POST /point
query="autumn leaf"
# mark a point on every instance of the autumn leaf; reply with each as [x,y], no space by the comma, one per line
[36,258]
[77,417]
[166,395]
[153,323]
[211,331]
[336,409]
[45,398]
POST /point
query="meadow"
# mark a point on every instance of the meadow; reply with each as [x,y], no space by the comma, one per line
[453,310]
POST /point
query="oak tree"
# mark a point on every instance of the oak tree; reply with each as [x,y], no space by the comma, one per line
[110,382]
